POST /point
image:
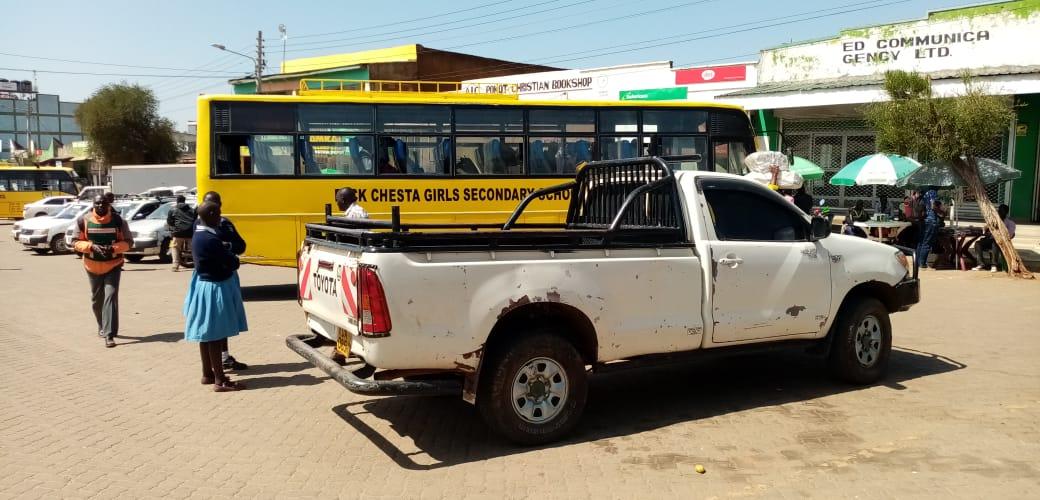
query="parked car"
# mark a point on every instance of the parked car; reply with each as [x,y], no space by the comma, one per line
[47,234]
[47,206]
[130,210]
[151,236]
[89,192]
[650,267]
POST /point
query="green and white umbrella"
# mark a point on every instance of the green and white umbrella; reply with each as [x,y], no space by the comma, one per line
[878,168]
[807,169]
[941,174]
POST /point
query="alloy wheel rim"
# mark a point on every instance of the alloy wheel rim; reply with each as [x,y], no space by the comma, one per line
[868,341]
[539,390]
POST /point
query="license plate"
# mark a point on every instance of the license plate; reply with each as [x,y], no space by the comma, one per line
[23,239]
[343,342]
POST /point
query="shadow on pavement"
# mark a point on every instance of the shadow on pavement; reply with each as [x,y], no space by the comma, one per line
[272,382]
[449,431]
[275,368]
[264,293]
[169,337]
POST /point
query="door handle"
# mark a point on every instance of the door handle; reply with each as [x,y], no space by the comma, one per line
[731,261]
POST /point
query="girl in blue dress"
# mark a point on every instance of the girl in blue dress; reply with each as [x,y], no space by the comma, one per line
[213,307]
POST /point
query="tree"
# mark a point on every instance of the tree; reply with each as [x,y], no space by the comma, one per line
[122,123]
[955,129]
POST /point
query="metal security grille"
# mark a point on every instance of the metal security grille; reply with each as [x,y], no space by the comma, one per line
[832,144]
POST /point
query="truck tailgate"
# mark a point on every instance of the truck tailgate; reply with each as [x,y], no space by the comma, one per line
[328,287]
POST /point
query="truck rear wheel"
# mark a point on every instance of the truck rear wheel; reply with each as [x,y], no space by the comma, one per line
[533,390]
[862,342]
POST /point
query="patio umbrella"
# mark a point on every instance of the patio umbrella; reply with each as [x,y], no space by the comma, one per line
[807,169]
[878,168]
[942,174]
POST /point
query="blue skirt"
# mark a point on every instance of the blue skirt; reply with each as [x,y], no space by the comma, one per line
[213,311]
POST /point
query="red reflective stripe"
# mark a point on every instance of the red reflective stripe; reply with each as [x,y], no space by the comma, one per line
[303,283]
[346,292]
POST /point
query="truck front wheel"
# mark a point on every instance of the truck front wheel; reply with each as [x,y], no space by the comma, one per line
[533,391]
[862,342]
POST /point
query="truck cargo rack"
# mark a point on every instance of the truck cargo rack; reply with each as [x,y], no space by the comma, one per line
[615,203]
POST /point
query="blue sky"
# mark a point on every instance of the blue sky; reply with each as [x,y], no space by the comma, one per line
[176,36]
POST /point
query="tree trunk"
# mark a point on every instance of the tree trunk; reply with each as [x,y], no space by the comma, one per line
[970,174]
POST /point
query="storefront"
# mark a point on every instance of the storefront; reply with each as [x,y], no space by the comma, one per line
[810,95]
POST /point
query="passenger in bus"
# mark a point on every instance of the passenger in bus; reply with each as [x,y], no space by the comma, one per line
[346,200]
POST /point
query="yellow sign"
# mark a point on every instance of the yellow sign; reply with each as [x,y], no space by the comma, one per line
[1021,130]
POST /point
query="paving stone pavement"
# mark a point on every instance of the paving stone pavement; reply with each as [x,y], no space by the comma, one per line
[958,417]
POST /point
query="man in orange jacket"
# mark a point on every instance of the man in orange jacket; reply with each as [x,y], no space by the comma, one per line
[103,238]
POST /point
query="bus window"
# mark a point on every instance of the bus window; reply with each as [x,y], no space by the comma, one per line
[336,155]
[19,180]
[729,157]
[254,117]
[558,155]
[573,121]
[413,118]
[254,154]
[675,120]
[618,121]
[616,148]
[489,120]
[675,146]
[489,156]
[416,155]
[335,118]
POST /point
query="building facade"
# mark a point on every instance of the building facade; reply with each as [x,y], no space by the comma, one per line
[36,123]
[810,95]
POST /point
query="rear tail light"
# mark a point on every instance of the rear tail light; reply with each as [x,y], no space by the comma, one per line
[375,315]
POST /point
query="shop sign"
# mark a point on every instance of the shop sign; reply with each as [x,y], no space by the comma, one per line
[666,94]
[1021,130]
[711,74]
[532,86]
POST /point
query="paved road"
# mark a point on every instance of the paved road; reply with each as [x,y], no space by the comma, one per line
[959,416]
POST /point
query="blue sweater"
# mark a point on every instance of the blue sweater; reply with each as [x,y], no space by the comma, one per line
[213,260]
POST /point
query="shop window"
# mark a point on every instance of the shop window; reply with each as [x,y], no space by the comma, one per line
[419,119]
[544,121]
[489,156]
[413,155]
[335,118]
[254,155]
[558,155]
[336,155]
[675,120]
[489,120]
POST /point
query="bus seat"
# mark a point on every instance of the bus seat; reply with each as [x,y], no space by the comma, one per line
[628,149]
[355,154]
[539,165]
[310,166]
[442,156]
[582,151]
[466,166]
[400,154]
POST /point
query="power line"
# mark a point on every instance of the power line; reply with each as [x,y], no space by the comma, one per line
[117,74]
[399,35]
[742,29]
[424,18]
[96,63]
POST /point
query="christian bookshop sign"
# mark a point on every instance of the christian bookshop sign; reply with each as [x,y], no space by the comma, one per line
[945,41]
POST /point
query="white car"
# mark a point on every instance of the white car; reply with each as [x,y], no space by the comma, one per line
[47,234]
[151,236]
[47,206]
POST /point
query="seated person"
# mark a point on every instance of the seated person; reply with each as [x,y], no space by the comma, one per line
[858,213]
[986,245]
[851,230]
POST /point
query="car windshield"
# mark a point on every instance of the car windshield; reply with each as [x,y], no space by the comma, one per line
[161,212]
[71,211]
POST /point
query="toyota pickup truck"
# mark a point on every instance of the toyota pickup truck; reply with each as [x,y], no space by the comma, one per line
[650,266]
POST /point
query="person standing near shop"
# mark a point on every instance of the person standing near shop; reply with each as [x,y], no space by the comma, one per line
[929,227]
[103,238]
[180,220]
[213,308]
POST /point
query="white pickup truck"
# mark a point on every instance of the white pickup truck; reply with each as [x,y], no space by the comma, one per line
[651,266]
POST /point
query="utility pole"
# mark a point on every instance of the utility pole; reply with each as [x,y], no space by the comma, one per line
[260,63]
[285,35]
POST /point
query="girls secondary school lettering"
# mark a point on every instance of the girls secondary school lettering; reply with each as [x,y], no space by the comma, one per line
[432,195]
[922,47]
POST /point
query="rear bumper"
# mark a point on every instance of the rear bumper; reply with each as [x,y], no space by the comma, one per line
[907,293]
[365,386]
[144,247]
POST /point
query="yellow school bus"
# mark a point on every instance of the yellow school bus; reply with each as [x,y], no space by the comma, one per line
[21,185]
[441,156]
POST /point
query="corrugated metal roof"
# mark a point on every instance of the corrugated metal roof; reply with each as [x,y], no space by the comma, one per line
[863,81]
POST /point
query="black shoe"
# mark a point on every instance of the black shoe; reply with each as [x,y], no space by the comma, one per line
[233,364]
[110,342]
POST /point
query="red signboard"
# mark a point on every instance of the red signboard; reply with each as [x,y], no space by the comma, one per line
[713,74]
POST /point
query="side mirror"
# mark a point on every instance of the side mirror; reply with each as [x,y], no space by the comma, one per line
[820,228]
